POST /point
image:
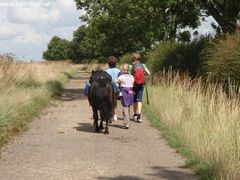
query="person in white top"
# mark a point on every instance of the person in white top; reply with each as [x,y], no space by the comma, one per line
[126,81]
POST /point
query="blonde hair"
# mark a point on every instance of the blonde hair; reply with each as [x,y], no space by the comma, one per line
[136,56]
[125,68]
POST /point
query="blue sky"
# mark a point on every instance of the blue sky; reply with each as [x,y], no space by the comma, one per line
[28,25]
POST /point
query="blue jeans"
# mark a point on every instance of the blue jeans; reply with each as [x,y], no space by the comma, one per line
[138,96]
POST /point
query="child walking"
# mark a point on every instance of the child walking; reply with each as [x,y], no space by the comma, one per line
[126,81]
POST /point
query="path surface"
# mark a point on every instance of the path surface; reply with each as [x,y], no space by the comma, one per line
[62,145]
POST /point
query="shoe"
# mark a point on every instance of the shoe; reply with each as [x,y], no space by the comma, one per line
[127,126]
[135,118]
[139,120]
[114,117]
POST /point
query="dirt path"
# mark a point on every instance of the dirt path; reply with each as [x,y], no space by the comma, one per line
[62,145]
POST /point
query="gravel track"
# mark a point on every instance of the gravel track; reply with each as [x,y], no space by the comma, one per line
[61,144]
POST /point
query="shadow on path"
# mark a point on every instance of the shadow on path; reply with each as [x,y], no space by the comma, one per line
[117,126]
[76,91]
[170,174]
[121,178]
[159,173]
[80,78]
[73,94]
[85,127]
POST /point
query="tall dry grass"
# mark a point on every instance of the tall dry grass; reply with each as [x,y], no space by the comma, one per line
[23,91]
[11,73]
[91,66]
[205,119]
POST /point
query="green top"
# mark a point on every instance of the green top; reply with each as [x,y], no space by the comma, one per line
[131,68]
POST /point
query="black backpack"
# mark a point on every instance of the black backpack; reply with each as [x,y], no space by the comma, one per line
[100,74]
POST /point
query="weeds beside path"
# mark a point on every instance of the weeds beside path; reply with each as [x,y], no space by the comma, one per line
[61,144]
[25,88]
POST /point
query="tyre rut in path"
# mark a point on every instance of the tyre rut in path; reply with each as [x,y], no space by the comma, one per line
[61,144]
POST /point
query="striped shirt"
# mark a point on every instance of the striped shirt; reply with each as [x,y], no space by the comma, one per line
[126,80]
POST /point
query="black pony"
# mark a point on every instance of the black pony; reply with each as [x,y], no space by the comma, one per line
[101,97]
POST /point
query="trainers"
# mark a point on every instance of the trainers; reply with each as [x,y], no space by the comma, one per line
[114,117]
[127,126]
[135,117]
[139,120]
[110,120]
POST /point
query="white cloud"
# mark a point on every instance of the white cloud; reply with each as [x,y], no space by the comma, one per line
[26,30]
[32,37]
[66,4]
[7,32]
[60,13]
[33,15]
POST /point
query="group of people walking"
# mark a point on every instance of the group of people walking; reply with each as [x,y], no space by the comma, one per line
[128,82]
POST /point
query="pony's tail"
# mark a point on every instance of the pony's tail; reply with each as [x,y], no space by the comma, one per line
[106,103]
[107,108]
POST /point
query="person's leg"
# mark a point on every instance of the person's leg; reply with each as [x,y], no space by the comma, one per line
[126,117]
[139,103]
[135,105]
[139,108]
[114,110]
[116,90]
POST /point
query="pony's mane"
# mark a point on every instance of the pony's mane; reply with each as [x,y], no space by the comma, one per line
[100,74]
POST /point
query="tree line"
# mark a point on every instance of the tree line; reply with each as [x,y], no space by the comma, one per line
[117,27]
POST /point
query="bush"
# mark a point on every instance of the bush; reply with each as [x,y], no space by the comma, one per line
[54,87]
[222,59]
[126,58]
[183,57]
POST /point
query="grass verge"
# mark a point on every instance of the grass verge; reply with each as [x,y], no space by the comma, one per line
[201,168]
[23,99]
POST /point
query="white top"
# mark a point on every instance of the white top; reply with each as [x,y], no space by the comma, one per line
[126,80]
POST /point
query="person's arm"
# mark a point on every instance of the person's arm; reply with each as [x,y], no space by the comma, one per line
[146,69]
[87,88]
[116,89]
[131,69]
[117,81]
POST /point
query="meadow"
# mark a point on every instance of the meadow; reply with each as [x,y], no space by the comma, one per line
[201,121]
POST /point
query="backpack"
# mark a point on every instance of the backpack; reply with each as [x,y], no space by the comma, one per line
[138,73]
[100,74]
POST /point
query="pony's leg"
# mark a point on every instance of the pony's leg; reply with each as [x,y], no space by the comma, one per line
[101,122]
[106,128]
[95,116]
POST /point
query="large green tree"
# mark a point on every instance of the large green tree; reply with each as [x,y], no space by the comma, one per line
[86,44]
[115,27]
[58,49]
[129,25]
